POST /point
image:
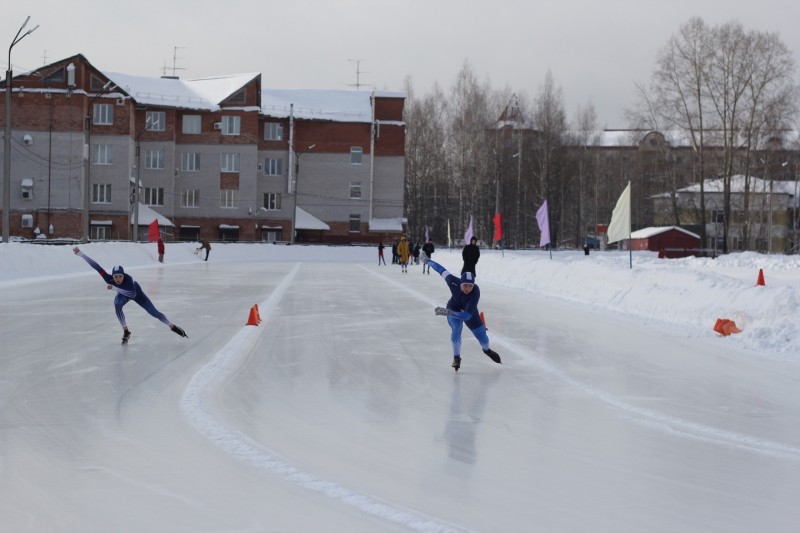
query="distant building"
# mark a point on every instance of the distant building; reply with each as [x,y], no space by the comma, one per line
[220,158]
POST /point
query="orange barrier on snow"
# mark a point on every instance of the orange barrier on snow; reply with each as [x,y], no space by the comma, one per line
[484,321]
[760,280]
[725,327]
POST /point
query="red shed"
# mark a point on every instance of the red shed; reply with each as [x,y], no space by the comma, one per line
[671,240]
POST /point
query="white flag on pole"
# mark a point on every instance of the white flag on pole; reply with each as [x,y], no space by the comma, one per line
[620,226]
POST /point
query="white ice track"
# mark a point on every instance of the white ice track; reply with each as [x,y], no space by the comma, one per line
[240,446]
[228,361]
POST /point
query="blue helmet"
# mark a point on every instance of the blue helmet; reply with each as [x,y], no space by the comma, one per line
[117,270]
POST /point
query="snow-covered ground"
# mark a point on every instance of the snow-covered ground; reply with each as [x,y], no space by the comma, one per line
[617,408]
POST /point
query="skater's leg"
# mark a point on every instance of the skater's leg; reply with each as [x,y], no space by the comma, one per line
[483,338]
[148,306]
[119,301]
[456,326]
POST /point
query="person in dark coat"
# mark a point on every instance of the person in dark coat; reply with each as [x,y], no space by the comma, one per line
[427,250]
[415,253]
[380,254]
[204,245]
[394,252]
[470,254]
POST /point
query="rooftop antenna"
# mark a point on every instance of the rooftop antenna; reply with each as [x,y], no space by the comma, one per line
[175,66]
[357,84]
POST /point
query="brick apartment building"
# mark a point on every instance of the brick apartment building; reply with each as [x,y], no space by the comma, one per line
[219,158]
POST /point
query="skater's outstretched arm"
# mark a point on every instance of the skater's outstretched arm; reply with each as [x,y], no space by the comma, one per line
[437,267]
[93,264]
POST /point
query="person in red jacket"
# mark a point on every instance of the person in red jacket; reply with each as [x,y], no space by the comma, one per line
[160,250]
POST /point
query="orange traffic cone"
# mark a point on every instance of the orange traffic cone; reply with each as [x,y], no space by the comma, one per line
[253,319]
[484,321]
[760,280]
[725,327]
[258,314]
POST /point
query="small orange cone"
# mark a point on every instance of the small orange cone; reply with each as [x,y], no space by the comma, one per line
[760,280]
[258,314]
[253,319]
[725,327]
[484,321]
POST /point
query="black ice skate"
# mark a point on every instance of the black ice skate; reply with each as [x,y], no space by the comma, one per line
[492,355]
[179,331]
[456,362]
[126,335]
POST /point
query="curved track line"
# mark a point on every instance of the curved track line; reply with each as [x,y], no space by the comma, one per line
[655,420]
[227,361]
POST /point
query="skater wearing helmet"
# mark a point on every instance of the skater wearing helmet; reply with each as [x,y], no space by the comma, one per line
[127,289]
[462,308]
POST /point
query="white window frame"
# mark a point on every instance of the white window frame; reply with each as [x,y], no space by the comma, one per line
[272,201]
[355,190]
[231,125]
[153,196]
[190,161]
[102,154]
[103,114]
[101,193]
[100,233]
[227,198]
[155,121]
[356,155]
[154,159]
[191,125]
[273,166]
[190,198]
[273,131]
[229,162]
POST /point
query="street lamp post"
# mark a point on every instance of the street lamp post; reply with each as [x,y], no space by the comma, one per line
[7,139]
[296,183]
[87,185]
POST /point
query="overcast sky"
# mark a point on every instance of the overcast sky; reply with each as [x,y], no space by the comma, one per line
[596,50]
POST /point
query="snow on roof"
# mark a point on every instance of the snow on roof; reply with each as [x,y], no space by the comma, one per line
[386,224]
[147,215]
[321,104]
[646,233]
[305,220]
[201,93]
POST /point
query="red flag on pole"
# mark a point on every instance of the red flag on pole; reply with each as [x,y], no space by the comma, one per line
[152,232]
[498,227]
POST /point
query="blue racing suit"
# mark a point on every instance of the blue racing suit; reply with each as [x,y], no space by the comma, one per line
[464,309]
[126,291]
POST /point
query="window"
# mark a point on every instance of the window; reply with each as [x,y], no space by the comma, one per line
[191,124]
[355,190]
[355,155]
[229,162]
[155,121]
[272,201]
[100,233]
[190,161]
[153,196]
[273,167]
[101,154]
[103,114]
[154,159]
[273,131]
[355,223]
[189,198]
[231,125]
[101,193]
[718,216]
[27,189]
[227,198]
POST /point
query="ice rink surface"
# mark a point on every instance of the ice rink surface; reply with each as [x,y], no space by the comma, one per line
[340,412]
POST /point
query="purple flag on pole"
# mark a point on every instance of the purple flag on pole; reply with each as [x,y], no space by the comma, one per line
[544,224]
[468,234]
